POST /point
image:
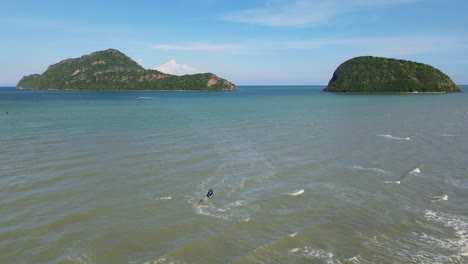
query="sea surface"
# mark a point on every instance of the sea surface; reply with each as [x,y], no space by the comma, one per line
[299,176]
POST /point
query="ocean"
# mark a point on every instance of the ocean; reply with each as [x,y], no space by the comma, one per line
[299,176]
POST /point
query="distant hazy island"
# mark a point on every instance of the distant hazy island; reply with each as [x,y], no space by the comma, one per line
[112,70]
[385,75]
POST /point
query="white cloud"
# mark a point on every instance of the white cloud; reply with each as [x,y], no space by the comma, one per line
[172,67]
[198,47]
[303,12]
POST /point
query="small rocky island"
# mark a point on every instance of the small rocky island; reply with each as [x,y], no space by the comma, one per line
[369,74]
[112,70]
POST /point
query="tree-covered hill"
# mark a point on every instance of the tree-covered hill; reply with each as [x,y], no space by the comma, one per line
[112,70]
[385,75]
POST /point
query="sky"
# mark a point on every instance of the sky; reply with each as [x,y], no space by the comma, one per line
[248,42]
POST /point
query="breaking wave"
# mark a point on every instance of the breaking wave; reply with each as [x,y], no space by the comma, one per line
[393,182]
[296,193]
[313,254]
[448,135]
[146,97]
[164,198]
[392,137]
[415,171]
[160,198]
[458,223]
[440,198]
[356,167]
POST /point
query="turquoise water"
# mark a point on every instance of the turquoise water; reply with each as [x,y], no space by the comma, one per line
[299,176]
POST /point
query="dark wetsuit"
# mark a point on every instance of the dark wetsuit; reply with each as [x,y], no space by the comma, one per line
[208,195]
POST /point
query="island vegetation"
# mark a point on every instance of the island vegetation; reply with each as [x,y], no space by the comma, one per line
[112,70]
[369,74]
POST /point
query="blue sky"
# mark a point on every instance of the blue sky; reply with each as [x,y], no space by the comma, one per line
[247,42]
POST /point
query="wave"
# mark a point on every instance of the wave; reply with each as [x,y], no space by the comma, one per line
[294,250]
[448,135]
[313,254]
[440,198]
[296,193]
[236,211]
[165,198]
[146,97]
[393,182]
[80,259]
[415,171]
[208,211]
[356,167]
[427,243]
[293,234]
[356,259]
[392,137]
[163,259]
[161,198]
[458,223]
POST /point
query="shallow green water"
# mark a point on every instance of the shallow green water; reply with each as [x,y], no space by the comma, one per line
[299,176]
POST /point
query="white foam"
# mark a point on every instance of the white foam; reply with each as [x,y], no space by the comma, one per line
[458,223]
[447,135]
[440,198]
[294,250]
[82,259]
[208,211]
[393,182]
[314,253]
[160,198]
[296,193]
[415,171]
[355,259]
[356,167]
[293,234]
[164,259]
[146,97]
[233,211]
[392,137]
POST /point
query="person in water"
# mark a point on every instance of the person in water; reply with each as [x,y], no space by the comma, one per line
[208,195]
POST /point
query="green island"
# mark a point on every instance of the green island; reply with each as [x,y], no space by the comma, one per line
[369,74]
[111,70]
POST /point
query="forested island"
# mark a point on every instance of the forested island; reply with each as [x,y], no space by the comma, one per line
[369,74]
[112,70]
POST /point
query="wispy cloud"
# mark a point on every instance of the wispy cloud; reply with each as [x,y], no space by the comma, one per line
[172,67]
[381,46]
[377,46]
[303,12]
[294,13]
[198,47]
